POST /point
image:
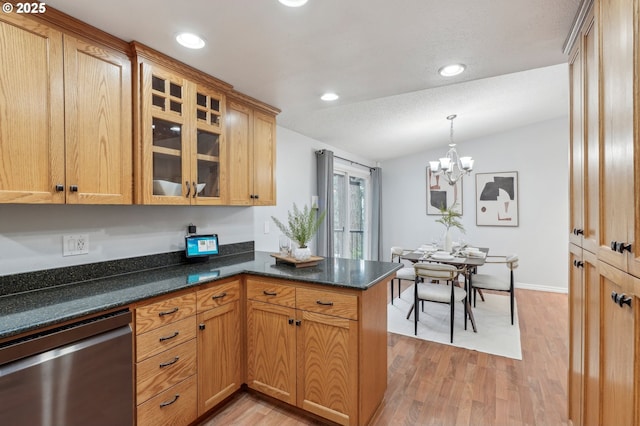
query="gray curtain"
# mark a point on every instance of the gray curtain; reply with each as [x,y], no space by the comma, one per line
[376,214]
[324,160]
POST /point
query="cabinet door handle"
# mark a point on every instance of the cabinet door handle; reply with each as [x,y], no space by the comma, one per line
[269,293]
[73,188]
[252,196]
[195,189]
[59,187]
[291,321]
[188,188]
[622,247]
[219,296]
[256,196]
[162,339]
[168,363]
[298,322]
[201,326]
[175,398]
[173,311]
[579,231]
[320,302]
[578,263]
[624,300]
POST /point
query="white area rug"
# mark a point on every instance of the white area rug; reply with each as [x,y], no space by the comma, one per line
[495,333]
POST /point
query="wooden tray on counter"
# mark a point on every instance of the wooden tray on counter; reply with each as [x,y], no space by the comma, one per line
[312,261]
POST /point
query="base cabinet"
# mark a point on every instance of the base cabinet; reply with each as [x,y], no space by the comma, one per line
[305,347]
[219,344]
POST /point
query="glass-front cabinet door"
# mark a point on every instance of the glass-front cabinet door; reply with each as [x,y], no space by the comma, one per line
[182,150]
[206,166]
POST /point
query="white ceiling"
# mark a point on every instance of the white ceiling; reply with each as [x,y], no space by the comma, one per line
[380,56]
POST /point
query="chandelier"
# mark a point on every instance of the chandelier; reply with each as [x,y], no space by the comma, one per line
[452,166]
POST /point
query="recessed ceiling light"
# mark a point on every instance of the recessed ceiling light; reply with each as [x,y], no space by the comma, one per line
[189,40]
[293,3]
[329,97]
[451,70]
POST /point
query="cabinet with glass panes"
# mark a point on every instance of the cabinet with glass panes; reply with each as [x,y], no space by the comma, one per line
[181,154]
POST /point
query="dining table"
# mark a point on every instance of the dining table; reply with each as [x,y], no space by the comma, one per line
[466,263]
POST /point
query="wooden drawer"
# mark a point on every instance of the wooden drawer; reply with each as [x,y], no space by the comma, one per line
[159,340]
[160,372]
[164,312]
[218,296]
[176,406]
[325,302]
[277,294]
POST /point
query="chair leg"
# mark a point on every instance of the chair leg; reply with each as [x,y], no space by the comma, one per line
[512,303]
[392,292]
[399,292]
[452,314]
[416,311]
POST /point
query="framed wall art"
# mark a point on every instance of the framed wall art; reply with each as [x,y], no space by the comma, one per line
[497,199]
[441,194]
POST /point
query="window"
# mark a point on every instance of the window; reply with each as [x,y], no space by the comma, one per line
[352,207]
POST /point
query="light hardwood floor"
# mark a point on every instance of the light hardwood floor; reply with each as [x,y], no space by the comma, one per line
[434,384]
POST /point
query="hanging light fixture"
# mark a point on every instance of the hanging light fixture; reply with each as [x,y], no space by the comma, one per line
[452,166]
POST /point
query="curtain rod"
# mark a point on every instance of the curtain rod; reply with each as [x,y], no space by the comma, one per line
[354,162]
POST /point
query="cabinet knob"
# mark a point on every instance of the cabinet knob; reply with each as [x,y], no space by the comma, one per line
[622,247]
[579,231]
[73,188]
[252,196]
[201,326]
[624,300]
[298,322]
[186,182]
[256,196]
[291,321]
[578,263]
[59,187]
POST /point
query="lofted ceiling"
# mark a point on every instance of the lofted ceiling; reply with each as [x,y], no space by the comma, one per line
[380,56]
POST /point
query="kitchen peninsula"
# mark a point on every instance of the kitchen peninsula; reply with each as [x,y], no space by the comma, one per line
[312,337]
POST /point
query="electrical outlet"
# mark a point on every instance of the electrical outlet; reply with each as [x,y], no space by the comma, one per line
[73,245]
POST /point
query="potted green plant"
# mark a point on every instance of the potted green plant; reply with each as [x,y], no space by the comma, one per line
[450,219]
[301,226]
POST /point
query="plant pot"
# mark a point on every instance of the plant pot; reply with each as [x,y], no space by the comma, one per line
[302,253]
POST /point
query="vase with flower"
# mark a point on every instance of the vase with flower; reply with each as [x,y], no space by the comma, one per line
[302,225]
[450,218]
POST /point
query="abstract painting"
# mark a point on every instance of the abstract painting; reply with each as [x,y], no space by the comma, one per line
[497,199]
[441,194]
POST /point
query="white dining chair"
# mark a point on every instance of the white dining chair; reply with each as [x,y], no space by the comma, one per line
[445,291]
[495,282]
[405,274]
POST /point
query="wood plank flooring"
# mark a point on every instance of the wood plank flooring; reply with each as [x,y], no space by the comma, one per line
[433,384]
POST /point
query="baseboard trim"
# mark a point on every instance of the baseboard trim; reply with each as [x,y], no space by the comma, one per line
[538,287]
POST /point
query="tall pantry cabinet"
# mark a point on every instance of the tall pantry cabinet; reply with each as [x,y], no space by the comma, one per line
[604,376]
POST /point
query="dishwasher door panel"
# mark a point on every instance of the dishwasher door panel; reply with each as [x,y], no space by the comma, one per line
[88,382]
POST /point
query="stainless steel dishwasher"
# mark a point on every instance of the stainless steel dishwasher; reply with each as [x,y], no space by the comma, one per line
[80,374]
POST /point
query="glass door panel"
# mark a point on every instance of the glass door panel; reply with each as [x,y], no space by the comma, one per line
[167,158]
[339,215]
[357,217]
[350,216]
[208,163]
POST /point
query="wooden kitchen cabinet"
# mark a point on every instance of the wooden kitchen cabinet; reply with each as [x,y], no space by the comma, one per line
[219,344]
[69,136]
[620,377]
[166,366]
[181,154]
[251,135]
[604,271]
[306,346]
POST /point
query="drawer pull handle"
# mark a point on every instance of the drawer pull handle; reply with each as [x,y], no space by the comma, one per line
[175,398]
[219,296]
[173,311]
[269,293]
[162,339]
[168,363]
[320,302]
[188,188]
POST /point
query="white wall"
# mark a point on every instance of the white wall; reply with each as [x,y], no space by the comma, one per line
[539,153]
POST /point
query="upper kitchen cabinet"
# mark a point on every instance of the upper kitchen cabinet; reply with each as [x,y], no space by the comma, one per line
[66,108]
[181,154]
[251,136]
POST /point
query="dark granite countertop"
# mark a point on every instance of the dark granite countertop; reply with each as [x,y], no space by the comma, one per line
[29,310]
